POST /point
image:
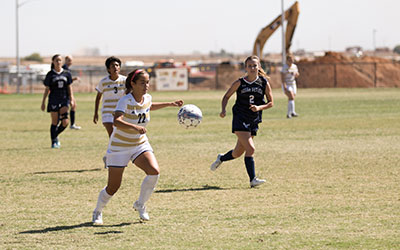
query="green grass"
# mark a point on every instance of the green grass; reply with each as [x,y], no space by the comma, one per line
[333,177]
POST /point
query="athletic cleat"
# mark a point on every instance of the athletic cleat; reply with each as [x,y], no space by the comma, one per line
[295,115]
[73,126]
[256,182]
[288,116]
[97,218]
[105,161]
[56,143]
[142,211]
[216,163]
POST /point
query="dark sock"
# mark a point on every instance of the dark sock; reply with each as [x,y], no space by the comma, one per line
[60,129]
[251,171]
[227,157]
[72,117]
[53,132]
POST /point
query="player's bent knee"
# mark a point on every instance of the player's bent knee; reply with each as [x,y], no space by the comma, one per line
[153,171]
[250,151]
[64,116]
[112,189]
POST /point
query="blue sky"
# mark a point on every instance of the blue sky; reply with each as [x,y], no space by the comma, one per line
[132,27]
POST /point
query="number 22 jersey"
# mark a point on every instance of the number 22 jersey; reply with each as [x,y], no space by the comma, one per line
[134,113]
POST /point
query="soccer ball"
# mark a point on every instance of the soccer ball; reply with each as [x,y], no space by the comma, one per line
[189,115]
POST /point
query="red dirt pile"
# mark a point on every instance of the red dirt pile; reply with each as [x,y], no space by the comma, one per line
[337,70]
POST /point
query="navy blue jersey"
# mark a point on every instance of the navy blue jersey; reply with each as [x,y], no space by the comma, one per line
[58,84]
[250,93]
[65,66]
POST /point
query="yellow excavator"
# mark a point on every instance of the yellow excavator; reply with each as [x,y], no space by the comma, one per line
[291,16]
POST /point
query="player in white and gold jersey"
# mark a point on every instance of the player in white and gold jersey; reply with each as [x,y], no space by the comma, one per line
[129,142]
[289,74]
[111,88]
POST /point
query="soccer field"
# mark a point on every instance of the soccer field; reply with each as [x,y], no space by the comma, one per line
[333,177]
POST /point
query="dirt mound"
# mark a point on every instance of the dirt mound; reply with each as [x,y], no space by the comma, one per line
[337,70]
[332,57]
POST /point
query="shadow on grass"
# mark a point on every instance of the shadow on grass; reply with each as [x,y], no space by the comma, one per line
[69,171]
[109,232]
[86,224]
[205,187]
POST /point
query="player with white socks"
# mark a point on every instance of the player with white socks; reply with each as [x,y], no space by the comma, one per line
[289,74]
[129,142]
[109,90]
[148,185]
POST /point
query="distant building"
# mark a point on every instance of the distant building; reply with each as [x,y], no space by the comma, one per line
[382,49]
[355,50]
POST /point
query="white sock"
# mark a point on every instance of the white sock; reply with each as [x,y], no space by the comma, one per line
[102,201]
[292,104]
[148,185]
[289,108]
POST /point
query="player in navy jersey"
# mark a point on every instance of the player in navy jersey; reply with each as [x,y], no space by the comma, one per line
[247,114]
[58,88]
[67,64]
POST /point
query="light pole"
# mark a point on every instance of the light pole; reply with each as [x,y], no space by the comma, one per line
[17,6]
[283,34]
[374,39]
[17,44]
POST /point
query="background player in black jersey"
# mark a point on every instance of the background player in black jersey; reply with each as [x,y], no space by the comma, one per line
[67,64]
[58,88]
[247,113]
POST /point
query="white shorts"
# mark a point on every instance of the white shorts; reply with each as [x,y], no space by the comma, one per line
[107,118]
[122,158]
[291,88]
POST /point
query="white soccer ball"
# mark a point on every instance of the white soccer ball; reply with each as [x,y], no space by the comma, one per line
[189,115]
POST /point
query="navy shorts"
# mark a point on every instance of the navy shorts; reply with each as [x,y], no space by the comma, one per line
[240,124]
[55,107]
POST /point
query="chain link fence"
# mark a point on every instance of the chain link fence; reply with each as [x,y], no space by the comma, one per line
[221,76]
[323,75]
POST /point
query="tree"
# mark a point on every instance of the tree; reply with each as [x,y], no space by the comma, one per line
[34,57]
[397,49]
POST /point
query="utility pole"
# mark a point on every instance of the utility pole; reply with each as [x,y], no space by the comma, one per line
[17,44]
[17,6]
[374,40]
[283,34]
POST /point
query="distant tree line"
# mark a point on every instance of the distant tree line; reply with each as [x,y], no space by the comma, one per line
[34,57]
[397,49]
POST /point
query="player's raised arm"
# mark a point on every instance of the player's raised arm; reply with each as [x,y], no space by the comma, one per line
[160,105]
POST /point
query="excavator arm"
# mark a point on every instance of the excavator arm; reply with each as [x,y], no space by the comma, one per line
[291,16]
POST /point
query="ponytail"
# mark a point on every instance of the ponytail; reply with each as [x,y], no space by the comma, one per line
[261,72]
